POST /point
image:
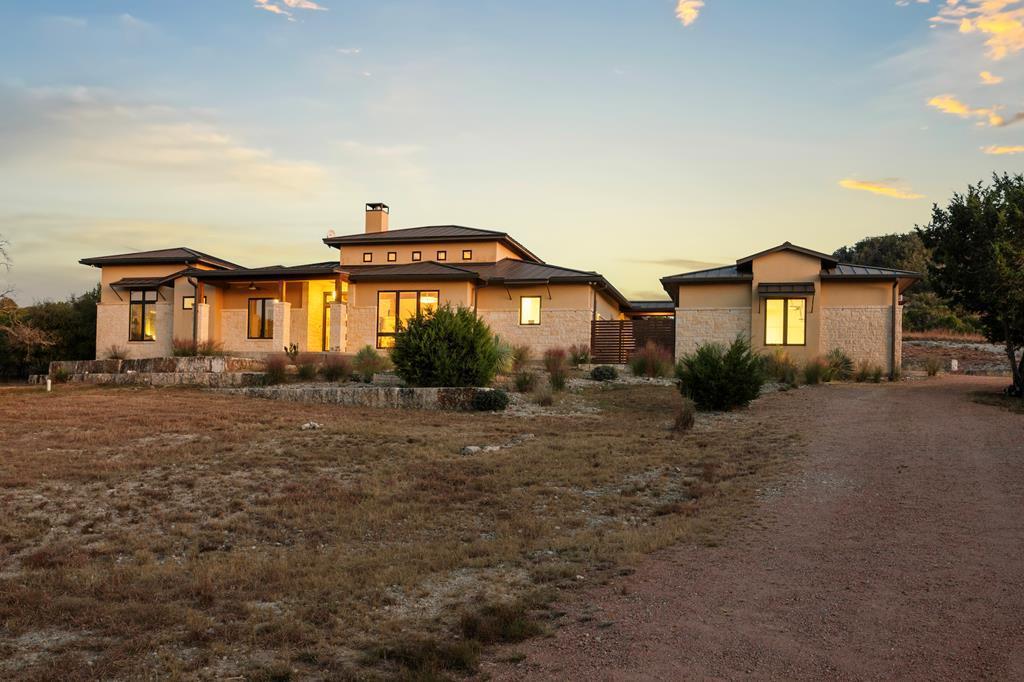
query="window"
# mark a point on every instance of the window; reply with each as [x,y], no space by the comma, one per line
[367,257]
[188,302]
[467,254]
[442,255]
[529,310]
[142,315]
[395,308]
[392,256]
[417,255]
[785,323]
[261,318]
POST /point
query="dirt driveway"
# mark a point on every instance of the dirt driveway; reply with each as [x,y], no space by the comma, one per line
[895,551]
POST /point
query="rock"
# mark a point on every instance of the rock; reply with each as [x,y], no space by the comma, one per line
[471,449]
[311,426]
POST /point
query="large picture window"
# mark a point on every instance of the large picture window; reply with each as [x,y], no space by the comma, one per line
[395,308]
[142,315]
[261,318]
[529,310]
[785,322]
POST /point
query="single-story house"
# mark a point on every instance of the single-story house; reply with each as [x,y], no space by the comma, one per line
[792,298]
[380,278]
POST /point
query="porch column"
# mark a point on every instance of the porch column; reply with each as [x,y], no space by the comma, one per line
[282,325]
[339,327]
[202,313]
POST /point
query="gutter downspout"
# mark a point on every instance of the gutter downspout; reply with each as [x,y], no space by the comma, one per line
[892,345]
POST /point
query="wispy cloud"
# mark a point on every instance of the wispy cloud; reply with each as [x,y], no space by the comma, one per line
[687,11]
[999,150]
[889,187]
[348,50]
[989,78]
[274,6]
[1000,22]
[951,105]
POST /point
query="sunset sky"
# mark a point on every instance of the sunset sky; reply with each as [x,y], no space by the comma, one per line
[638,138]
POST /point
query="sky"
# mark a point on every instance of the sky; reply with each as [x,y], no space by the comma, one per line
[638,138]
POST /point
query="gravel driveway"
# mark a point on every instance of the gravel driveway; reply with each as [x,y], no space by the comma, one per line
[896,550]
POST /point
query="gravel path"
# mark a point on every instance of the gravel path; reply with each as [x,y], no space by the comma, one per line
[895,551]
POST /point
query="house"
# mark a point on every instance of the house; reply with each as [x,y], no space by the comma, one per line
[380,278]
[795,299]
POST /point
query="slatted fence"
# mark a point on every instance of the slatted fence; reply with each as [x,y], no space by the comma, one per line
[612,342]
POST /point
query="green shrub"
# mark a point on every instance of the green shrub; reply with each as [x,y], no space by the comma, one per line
[336,368]
[651,361]
[276,370]
[306,365]
[876,374]
[506,356]
[502,622]
[520,357]
[780,367]
[60,375]
[369,362]
[815,371]
[718,378]
[604,373]
[863,372]
[525,381]
[932,365]
[579,354]
[494,400]
[686,416]
[558,379]
[449,347]
[840,366]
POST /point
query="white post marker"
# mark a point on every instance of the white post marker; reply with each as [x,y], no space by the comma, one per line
[49,384]
[954,365]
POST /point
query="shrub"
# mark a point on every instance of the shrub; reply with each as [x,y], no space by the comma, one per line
[276,370]
[718,378]
[60,375]
[505,356]
[336,368]
[210,347]
[306,363]
[292,351]
[651,361]
[525,381]
[815,371]
[494,400]
[579,354]
[183,348]
[557,379]
[556,360]
[780,367]
[520,357]
[863,372]
[369,362]
[840,366]
[544,396]
[503,622]
[117,352]
[876,374]
[686,416]
[449,347]
[604,373]
[932,365]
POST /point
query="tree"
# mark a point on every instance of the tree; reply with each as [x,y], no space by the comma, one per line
[5,262]
[448,347]
[977,245]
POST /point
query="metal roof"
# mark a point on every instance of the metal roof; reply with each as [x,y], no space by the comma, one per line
[851,271]
[181,254]
[146,282]
[323,270]
[724,273]
[432,233]
[664,306]
[789,246]
[425,270]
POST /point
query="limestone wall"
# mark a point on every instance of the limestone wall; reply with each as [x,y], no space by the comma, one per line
[863,332]
[234,332]
[698,326]
[112,330]
[558,328]
[362,328]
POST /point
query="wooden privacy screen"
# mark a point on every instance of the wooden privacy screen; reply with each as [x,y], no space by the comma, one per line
[612,342]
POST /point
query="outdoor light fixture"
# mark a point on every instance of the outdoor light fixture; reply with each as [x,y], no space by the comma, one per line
[252,286]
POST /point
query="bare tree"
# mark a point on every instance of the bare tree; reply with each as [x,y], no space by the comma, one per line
[5,262]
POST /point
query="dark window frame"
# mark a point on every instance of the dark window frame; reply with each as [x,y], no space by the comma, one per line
[185,299]
[398,302]
[263,320]
[540,307]
[417,256]
[144,304]
[392,256]
[785,321]
[467,254]
[442,254]
[367,256]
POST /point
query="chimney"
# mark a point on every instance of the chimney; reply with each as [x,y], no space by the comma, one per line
[377,218]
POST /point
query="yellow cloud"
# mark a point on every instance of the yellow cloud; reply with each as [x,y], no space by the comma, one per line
[988,78]
[274,8]
[1000,150]
[1000,21]
[886,188]
[687,11]
[951,105]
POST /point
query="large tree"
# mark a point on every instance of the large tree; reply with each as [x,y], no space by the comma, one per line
[977,245]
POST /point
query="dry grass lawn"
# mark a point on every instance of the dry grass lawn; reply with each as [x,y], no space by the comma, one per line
[162,533]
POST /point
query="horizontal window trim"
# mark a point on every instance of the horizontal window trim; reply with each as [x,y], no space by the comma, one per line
[540,306]
[785,321]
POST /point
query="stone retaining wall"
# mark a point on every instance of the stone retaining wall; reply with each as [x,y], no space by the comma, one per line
[202,379]
[214,364]
[369,396]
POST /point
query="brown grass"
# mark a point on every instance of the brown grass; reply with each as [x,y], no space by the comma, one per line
[999,400]
[176,533]
[943,335]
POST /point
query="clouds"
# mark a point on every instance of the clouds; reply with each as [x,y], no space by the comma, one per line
[988,78]
[892,188]
[998,150]
[274,6]
[687,11]
[999,22]
[949,104]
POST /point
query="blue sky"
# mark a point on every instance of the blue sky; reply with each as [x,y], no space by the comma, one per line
[638,138]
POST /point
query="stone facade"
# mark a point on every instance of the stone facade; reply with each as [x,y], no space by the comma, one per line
[234,332]
[339,327]
[558,328]
[698,326]
[362,328]
[112,330]
[864,333]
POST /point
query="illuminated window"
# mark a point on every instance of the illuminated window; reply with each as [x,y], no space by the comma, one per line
[442,255]
[785,322]
[367,257]
[188,302]
[142,315]
[417,255]
[529,310]
[392,256]
[467,254]
[395,308]
[261,318]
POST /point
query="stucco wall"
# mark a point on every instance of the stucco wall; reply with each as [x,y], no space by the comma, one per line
[863,332]
[112,330]
[558,328]
[483,252]
[697,326]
